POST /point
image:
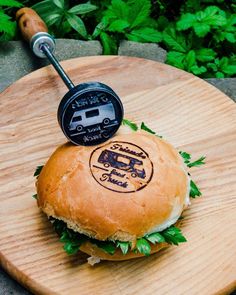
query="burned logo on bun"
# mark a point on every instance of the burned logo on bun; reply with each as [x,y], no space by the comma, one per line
[121,166]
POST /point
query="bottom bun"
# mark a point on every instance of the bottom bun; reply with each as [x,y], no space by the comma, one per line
[94,251]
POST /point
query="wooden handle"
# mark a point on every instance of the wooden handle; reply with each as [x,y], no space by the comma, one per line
[30,23]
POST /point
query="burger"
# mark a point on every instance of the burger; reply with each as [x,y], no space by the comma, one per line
[118,200]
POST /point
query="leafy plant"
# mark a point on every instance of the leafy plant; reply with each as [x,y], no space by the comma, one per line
[126,20]
[199,35]
[62,19]
[203,21]
[7,25]
[196,40]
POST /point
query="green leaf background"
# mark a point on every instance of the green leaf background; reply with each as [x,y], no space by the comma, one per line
[199,35]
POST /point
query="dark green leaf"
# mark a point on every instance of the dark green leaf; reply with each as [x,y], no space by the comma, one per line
[59,3]
[186,21]
[98,29]
[65,237]
[143,246]
[71,248]
[202,21]
[6,25]
[130,124]
[194,190]
[145,128]
[155,238]
[196,70]
[119,8]
[46,9]
[228,31]
[10,3]
[52,18]
[118,25]
[230,70]
[162,23]
[59,226]
[213,16]
[124,246]
[38,170]
[145,35]
[175,41]
[190,60]
[201,29]
[205,54]
[108,43]
[230,37]
[77,24]
[176,59]
[106,246]
[82,8]
[139,12]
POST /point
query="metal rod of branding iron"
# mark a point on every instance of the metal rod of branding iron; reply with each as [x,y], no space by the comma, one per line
[44,47]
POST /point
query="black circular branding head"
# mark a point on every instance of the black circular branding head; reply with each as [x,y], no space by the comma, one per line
[90,113]
[121,166]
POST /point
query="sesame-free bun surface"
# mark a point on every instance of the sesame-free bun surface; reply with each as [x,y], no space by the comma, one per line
[74,186]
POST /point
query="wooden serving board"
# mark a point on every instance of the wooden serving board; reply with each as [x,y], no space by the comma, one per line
[189,113]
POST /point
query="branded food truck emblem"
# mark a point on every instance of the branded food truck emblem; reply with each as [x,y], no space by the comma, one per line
[122,162]
[100,115]
[121,166]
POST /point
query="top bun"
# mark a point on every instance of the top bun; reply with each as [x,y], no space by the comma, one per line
[133,184]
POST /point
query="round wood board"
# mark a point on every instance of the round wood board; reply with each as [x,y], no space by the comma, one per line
[189,113]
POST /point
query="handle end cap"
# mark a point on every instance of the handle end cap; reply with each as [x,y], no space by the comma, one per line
[41,38]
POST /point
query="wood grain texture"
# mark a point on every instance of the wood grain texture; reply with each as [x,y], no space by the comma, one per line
[189,113]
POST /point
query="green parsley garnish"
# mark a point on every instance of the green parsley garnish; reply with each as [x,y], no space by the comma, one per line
[37,171]
[35,196]
[187,160]
[124,246]
[155,238]
[145,128]
[131,124]
[73,240]
[197,163]
[186,157]
[143,246]
[107,246]
[36,174]
[194,190]
[173,235]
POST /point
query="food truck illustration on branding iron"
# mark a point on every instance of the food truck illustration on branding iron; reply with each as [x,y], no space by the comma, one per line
[123,162]
[103,114]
